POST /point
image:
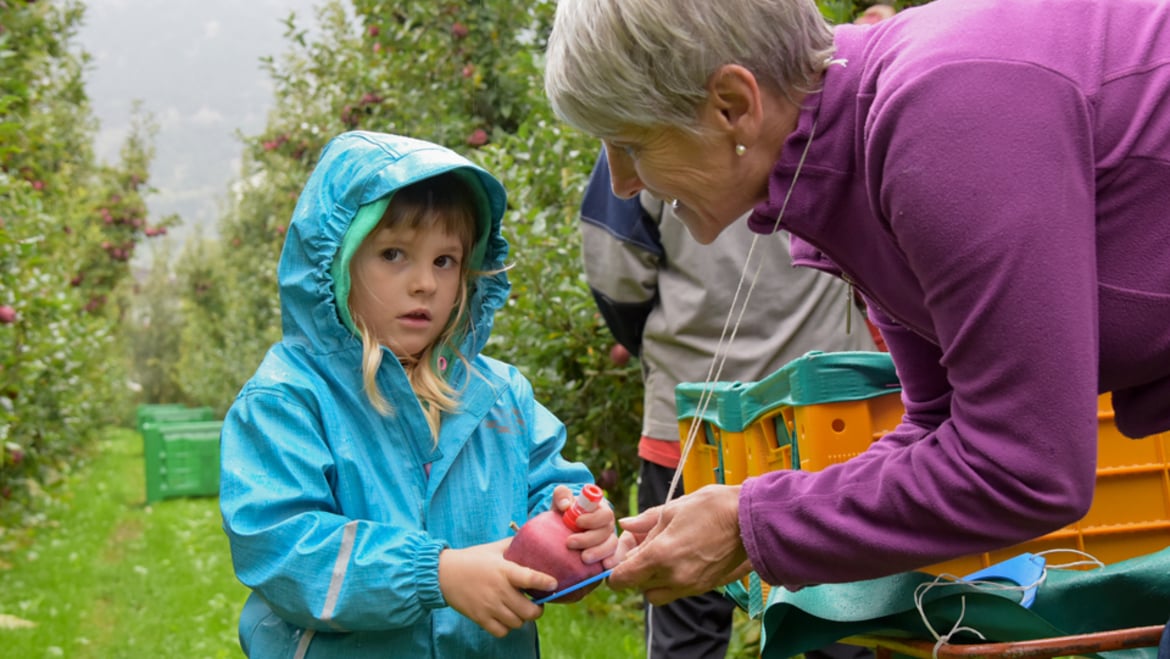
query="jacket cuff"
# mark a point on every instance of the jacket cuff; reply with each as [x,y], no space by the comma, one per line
[426,566]
[746,529]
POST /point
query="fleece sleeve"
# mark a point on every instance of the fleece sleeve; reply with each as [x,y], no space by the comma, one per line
[986,180]
[315,567]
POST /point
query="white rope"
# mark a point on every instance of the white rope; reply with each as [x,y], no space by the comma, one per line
[721,349]
[941,639]
[720,358]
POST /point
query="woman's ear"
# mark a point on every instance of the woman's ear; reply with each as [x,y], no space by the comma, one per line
[734,94]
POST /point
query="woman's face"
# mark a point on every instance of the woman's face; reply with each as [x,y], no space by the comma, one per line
[406,284]
[709,185]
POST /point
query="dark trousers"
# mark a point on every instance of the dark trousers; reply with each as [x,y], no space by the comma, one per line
[699,627]
[696,627]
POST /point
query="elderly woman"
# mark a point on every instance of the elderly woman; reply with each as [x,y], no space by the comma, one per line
[992,175]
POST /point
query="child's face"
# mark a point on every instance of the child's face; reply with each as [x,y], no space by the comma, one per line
[405,283]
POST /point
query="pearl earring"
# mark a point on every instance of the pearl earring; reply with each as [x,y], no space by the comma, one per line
[740,149]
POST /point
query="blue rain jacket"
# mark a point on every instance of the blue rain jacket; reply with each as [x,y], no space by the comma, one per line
[333,521]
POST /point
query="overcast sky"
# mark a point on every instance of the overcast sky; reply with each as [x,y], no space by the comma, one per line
[195,65]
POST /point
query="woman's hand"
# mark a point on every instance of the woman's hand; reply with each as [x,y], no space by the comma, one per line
[482,585]
[687,547]
[598,538]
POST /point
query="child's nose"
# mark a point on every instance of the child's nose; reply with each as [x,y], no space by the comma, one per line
[423,281]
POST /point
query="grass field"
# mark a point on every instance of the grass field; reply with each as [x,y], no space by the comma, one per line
[105,577]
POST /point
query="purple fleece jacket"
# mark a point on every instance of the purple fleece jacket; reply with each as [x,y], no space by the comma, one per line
[994,177]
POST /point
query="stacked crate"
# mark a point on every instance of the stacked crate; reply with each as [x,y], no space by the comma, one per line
[180,450]
[825,408]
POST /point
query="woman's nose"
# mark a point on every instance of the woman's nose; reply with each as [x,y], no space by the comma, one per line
[623,176]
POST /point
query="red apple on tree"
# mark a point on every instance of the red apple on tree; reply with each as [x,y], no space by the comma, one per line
[477,138]
[608,479]
[619,355]
[7,315]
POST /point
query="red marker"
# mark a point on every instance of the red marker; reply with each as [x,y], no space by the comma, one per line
[587,501]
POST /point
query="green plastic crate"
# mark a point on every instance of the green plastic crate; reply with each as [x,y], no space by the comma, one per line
[181,459]
[146,411]
[172,413]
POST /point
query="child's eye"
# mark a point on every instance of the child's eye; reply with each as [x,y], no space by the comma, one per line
[391,254]
[447,262]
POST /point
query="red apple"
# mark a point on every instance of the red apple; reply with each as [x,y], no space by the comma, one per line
[608,479]
[619,355]
[540,545]
[477,138]
[459,30]
[7,315]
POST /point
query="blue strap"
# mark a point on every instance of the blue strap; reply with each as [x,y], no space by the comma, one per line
[1025,569]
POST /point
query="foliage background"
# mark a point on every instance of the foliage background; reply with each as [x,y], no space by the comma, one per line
[68,228]
[88,339]
[467,75]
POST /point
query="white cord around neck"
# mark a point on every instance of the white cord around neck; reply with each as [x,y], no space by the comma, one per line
[722,348]
[720,358]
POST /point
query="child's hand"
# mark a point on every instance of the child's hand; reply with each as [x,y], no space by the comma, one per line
[479,583]
[598,540]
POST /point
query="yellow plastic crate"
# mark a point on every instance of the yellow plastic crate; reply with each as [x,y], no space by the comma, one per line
[747,436]
[824,434]
[717,456]
[1130,513]
[820,409]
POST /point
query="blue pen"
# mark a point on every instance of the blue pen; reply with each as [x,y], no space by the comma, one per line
[575,587]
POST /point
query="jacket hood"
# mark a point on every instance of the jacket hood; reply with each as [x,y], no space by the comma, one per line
[357,169]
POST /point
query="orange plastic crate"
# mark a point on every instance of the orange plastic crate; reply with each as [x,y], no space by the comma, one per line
[1130,513]
[744,434]
[717,456]
[747,429]
[824,434]
[1129,516]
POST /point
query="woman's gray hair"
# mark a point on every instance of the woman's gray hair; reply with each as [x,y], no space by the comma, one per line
[613,65]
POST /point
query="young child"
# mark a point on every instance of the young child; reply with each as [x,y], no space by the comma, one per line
[372,465]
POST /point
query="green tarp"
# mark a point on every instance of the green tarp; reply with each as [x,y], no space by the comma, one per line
[1132,593]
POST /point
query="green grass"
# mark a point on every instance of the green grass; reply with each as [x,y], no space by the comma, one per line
[104,577]
[107,577]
